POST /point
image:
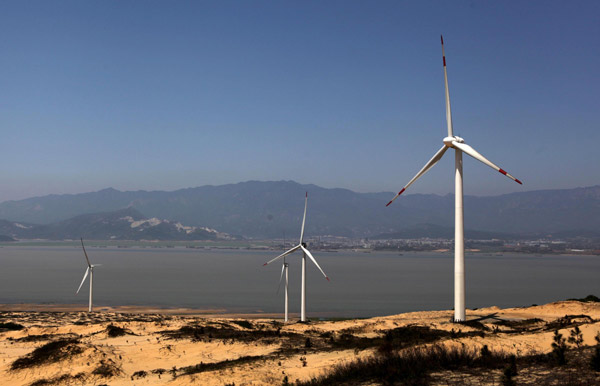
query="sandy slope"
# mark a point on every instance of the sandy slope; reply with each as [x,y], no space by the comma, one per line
[150,347]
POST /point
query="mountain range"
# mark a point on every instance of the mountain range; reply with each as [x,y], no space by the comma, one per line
[267,209]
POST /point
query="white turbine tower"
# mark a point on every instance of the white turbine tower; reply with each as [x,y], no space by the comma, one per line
[90,271]
[305,253]
[459,146]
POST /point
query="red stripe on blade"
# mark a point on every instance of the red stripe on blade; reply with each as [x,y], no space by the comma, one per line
[444,60]
[403,189]
[327,278]
[265,264]
[518,181]
[442,36]
[502,171]
[388,204]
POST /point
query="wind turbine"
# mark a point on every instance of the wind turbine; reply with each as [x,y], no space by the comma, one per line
[284,270]
[90,271]
[459,146]
[305,252]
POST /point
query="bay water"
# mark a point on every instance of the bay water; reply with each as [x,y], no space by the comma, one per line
[362,284]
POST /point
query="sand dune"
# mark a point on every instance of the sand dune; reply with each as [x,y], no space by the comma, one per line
[140,347]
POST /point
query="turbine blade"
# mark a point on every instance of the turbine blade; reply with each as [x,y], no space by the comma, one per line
[281,277]
[304,218]
[85,253]
[473,153]
[448,110]
[282,255]
[314,261]
[84,277]
[427,166]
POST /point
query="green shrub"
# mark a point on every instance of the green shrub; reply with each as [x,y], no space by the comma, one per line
[576,337]
[595,359]
[588,299]
[559,346]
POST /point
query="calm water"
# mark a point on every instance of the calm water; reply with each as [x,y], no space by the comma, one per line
[362,284]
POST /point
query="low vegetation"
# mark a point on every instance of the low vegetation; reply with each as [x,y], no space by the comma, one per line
[139,374]
[421,365]
[243,324]
[115,331]
[107,369]
[202,367]
[521,325]
[559,346]
[225,332]
[68,379]
[595,358]
[42,337]
[410,366]
[588,299]
[51,352]
[10,326]
[568,321]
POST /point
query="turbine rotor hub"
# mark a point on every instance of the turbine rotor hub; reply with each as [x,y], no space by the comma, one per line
[448,140]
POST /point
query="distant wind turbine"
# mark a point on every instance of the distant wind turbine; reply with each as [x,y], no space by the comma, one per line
[90,271]
[459,146]
[284,271]
[305,253]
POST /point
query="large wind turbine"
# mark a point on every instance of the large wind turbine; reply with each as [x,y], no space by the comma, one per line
[90,271]
[459,146]
[305,253]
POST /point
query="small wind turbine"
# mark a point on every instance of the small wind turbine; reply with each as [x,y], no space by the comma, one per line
[305,253]
[459,146]
[284,270]
[90,271]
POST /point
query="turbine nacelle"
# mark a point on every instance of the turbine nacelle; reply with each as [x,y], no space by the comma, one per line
[448,140]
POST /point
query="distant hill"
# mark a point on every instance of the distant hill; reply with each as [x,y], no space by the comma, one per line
[6,238]
[124,224]
[267,209]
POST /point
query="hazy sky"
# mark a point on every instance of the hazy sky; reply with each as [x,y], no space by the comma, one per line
[167,95]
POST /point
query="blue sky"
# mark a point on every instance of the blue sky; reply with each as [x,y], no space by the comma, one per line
[167,95]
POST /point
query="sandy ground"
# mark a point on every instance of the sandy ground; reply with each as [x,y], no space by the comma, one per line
[157,347]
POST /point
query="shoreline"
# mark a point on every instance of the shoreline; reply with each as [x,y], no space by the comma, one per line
[223,313]
[200,246]
[136,309]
